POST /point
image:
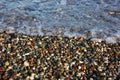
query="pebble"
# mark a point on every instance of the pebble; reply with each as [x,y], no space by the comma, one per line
[100,69]
[26,63]
[102,74]
[29,43]
[28,78]
[79,67]
[91,79]
[10,67]
[7,63]
[63,58]
[110,79]
[31,78]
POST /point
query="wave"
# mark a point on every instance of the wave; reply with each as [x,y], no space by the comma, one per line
[92,19]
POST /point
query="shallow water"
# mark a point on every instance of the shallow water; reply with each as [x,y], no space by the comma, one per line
[86,18]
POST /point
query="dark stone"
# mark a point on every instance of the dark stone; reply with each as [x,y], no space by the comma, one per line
[29,73]
[13,35]
[0,48]
[12,49]
[10,72]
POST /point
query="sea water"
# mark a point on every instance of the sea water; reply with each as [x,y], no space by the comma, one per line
[86,18]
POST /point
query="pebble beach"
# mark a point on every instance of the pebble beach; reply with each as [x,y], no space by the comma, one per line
[59,39]
[28,57]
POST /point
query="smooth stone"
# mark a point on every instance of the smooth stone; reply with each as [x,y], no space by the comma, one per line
[100,68]
[7,63]
[26,63]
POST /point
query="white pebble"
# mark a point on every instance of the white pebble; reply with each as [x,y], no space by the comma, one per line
[78,52]
[7,63]
[100,68]
[79,67]
[26,63]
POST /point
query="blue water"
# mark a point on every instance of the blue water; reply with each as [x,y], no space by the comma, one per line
[86,18]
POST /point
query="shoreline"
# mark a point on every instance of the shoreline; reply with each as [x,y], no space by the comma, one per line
[52,57]
[109,39]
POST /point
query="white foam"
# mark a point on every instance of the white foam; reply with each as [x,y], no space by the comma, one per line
[40,30]
[117,34]
[11,30]
[96,39]
[63,2]
[111,39]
